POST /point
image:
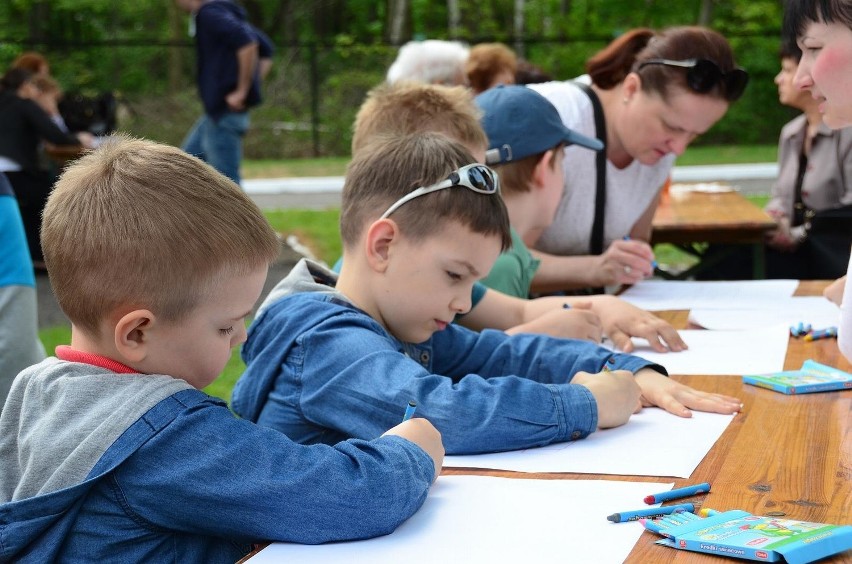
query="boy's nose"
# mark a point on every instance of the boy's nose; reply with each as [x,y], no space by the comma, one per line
[461,303]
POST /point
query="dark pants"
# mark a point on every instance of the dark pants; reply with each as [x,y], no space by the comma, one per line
[31,190]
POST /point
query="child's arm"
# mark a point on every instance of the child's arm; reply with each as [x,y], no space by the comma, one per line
[834,291]
[514,315]
[208,473]
[677,398]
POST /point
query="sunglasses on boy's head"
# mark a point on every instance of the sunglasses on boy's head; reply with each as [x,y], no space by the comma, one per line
[476,177]
[702,75]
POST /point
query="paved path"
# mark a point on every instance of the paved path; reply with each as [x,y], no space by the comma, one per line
[324,192]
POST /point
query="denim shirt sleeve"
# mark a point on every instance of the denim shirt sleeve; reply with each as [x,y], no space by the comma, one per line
[213,474]
[353,378]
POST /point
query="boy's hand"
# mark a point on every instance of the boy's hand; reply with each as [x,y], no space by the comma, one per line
[422,433]
[674,397]
[578,322]
[834,291]
[616,394]
[622,320]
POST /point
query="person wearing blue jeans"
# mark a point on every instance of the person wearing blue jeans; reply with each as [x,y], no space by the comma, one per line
[232,59]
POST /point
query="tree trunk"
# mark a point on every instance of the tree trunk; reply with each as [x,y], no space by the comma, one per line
[177,30]
[519,28]
[399,17]
[454,17]
[706,13]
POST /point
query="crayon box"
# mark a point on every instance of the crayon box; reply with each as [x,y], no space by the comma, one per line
[739,534]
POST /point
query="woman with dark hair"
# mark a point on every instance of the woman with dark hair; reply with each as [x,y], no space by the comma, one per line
[656,91]
[823,31]
[23,125]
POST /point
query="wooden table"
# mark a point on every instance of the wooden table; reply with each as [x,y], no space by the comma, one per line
[790,454]
[688,218]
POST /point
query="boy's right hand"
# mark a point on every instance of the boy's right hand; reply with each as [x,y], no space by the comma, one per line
[422,433]
[616,392]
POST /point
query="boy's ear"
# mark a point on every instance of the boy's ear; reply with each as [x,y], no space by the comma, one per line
[539,175]
[131,335]
[380,236]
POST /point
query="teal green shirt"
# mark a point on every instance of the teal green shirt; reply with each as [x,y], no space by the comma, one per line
[513,272]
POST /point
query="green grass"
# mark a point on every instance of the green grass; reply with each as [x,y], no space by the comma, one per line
[317,229]
[288,168]
[336,166]
[728,154]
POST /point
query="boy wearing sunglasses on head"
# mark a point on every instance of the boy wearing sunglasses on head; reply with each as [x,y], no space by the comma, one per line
[406,108]
[330,357]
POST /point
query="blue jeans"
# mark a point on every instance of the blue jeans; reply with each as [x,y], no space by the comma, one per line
[219,142]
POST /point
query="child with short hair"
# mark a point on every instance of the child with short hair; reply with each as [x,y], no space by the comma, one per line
[526,147]
[329,357]
[110,451]
[409,107]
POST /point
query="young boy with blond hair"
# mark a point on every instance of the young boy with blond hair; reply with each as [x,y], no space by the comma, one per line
[406,108]
[110,450]
[330,357]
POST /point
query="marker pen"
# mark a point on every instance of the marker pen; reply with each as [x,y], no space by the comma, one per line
[624,516]
[827,333]
[676,493]
[409,410]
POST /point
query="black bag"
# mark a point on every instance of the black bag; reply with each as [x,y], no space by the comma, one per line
[95,114]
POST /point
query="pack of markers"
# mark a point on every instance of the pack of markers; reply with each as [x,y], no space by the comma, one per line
[811,377]
[740,534]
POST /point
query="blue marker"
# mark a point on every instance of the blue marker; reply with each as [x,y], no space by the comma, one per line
[650,512]
[654,263]
[677,492]
[409,410]
[827,333]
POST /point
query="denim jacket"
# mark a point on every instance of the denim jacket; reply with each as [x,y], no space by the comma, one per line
[189,482]
[319,369]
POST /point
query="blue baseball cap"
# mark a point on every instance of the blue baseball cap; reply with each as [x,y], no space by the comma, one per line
[520,122]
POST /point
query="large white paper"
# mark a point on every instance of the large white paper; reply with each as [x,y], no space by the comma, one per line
[656,295]
[816,310]
[748,351]
[475,519]
[653,443]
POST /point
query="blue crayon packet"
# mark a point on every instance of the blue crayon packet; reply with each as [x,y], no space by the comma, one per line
[740,534]
[811,377]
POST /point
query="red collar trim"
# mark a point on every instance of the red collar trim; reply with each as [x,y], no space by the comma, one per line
[64,352]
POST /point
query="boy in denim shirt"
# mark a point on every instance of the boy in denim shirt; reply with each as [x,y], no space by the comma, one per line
[331,357]
[406,108]
[110,451]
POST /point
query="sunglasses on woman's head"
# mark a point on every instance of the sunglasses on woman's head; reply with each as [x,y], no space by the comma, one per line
[476,177]
[702,75]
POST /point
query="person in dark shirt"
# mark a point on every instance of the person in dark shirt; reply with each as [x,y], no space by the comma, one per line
[232,59]
[23,125]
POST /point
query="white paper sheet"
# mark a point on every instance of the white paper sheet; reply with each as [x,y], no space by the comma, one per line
[656,295]
[475,519]
[652,443]
[816,310]
[747,351]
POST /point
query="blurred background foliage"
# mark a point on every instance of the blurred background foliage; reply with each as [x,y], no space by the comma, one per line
[331,52]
